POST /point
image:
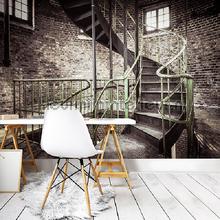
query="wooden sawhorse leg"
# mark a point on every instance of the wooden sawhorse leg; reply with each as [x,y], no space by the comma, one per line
[100,162]
[13,130]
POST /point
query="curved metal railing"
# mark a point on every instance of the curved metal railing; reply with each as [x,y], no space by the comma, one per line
[178,57]
[174,67]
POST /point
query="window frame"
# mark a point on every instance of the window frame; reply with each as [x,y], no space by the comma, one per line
[29,23]
[156,8]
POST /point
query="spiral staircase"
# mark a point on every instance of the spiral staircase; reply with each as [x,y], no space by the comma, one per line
[158,84]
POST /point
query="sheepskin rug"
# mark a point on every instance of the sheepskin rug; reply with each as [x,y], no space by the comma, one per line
[68,205]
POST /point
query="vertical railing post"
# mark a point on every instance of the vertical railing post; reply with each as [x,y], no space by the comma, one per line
[110,54]
[14,98]
[94,54]
[190,117]
[6,60]
[163,122]
[137,47]
[125,55]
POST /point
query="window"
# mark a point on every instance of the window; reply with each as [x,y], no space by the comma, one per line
[157,18]
[20,10]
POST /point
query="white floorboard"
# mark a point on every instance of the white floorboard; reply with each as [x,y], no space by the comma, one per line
[209,182]
[213,203]
[111,213]
[170,204]
[193,204]
[5,198]
[126,205]
[151,209]
[25,215]
[154,196]
[13,209]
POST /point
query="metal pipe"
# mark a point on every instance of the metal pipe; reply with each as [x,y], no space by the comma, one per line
[137,47]
[94,54]
[110,53]
[6,60]
[125,55]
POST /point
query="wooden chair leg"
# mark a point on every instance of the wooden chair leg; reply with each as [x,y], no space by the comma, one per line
[29,148]
[49,186]
[96,177]
[65,171]
[85,188]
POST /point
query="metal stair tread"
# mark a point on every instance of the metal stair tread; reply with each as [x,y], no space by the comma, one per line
[158,91]
[158,102]
[149,130]
[154,115]
[157,82]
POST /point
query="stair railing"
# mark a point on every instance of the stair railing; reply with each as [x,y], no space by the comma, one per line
[32,96]
[129,73]
[117,24]
[173,67]
[120,103]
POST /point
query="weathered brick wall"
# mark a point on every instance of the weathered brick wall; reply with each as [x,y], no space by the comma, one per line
[53,49]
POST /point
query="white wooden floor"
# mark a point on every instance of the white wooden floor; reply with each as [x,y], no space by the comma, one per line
[178,196]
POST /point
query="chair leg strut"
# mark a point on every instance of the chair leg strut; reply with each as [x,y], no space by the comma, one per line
[65,175]
[96,177]
[85,187]
[50,184]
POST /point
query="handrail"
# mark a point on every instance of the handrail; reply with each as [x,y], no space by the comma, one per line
[168,76]
[44,92]
[128,13]
[126,74]
[77,92]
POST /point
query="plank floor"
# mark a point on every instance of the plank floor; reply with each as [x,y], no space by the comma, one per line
[156,196]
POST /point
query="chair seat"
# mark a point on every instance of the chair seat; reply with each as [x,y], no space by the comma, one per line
[78,156]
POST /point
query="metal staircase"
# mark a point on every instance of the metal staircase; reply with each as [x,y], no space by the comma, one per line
[155,88]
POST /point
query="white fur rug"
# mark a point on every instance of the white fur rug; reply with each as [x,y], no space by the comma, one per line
[70,204]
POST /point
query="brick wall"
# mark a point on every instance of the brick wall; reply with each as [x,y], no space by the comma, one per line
[53,49]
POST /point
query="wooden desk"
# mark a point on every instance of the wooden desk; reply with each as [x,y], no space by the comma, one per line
[109,124]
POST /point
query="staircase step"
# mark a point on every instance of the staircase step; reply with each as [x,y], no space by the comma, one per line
[153,115]
[100,35]
[156,95]
[149,70]
[156,85]
[153,119]
[146,132]
[150,77]
[83,16]
[153,106]
[147,62]
[89,28]
[76,4]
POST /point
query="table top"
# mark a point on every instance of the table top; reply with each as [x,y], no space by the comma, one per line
[89,121]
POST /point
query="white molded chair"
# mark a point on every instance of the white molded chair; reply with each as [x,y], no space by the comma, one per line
[66,136]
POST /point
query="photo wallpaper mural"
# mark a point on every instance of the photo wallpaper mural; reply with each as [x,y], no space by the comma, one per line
[156,62]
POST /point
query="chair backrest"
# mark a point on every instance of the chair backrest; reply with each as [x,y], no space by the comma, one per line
[65,133]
